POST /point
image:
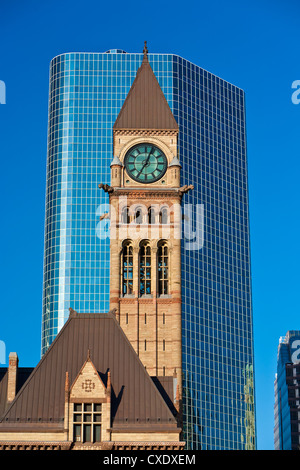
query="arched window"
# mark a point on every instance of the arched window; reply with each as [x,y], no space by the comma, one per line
[138,216]
[151,215]
[163,268]
[125,217]
[164,215]
[145,268]
[127,268]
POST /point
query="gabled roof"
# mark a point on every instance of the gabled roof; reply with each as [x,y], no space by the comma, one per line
[135,400]
[145,106]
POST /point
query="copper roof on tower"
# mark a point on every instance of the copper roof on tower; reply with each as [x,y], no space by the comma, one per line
[145,106]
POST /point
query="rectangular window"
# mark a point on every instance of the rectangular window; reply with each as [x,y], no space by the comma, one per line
[87,419]
[97,432]
[87,433]
[77,432]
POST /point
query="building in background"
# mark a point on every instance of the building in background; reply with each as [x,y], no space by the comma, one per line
[87,91]
[287,397]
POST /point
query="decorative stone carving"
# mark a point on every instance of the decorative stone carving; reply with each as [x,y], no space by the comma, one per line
[184,189]
[106,188]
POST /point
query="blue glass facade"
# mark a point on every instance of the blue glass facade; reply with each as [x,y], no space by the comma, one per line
[216,279]
[287,398]
[87,91]
[86,94]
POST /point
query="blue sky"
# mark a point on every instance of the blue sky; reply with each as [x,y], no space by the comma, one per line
[252,44]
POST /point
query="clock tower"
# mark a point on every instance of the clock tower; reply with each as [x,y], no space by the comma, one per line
[145,223]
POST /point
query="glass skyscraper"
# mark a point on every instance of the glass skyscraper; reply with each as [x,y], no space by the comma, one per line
[87,91]
[287,397]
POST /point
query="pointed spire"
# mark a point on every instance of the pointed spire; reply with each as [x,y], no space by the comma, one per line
[175,162]
[67,382]
[108,387]
[145,107]
[177,393]
[177,399]
[108,380]
[116,161]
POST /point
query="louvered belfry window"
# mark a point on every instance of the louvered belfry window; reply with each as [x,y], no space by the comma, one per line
[163,269]
[145,268]
[127,268]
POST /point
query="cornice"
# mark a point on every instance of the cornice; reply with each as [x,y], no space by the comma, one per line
[145,132]
[144,193]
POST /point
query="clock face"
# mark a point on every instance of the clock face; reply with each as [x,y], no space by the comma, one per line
[145,163]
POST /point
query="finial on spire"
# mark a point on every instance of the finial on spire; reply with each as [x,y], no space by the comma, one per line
[145,51]
[72,312]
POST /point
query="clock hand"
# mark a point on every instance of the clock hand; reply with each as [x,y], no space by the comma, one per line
[149,155]
[146,162]
[140,171]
